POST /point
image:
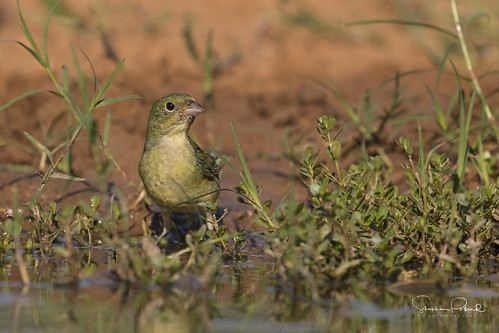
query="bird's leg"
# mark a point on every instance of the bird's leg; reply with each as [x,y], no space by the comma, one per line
[211,218]
[166,226]
[212,223]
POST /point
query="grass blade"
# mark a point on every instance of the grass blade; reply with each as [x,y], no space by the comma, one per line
[102,92]
[45,34]
[82,84]
[191,47]
[452,103]
[438,110]
[30,50]
[464,129]
[442,64]
[247,179]
[422,162]
[38,145]
[107,126]
[18,98]
[59,175]
[111,100]
[404,22]
[29,36]
[65,79]
[467,59]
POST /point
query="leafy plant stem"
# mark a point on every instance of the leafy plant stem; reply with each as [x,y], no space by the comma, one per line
[46,177]
[469,67]
[247,179]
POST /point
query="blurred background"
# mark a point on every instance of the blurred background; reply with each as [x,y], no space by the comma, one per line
[270,67]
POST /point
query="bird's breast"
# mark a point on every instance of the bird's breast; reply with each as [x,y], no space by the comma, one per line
[170,176]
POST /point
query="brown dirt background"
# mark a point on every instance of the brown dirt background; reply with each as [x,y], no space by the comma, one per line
[263,83]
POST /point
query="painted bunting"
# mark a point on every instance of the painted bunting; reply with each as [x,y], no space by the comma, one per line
[177,174]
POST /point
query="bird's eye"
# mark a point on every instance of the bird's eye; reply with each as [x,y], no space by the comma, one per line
[170,106]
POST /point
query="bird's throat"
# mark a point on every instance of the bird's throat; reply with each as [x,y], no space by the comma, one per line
[172,133]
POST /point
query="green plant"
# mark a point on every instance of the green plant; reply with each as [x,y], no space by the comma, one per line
[356,227]
[454,127]
[370,118]
[249,189]
[58,147]
[207,65]
[356,224]
[83,114]
[211,65]
[313,22]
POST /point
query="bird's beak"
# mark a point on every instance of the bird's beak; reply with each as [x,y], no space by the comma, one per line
[193,109]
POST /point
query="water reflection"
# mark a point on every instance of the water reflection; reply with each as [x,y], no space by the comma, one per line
[248,297]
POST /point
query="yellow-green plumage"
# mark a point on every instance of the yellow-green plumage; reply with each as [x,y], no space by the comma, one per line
[177,174]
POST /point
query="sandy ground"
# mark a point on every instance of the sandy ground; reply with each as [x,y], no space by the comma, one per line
[268,56]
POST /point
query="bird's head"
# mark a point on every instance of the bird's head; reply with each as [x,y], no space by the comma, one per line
[171,115]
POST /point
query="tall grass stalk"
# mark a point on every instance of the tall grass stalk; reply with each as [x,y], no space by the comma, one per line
[82,114]
[206,63]
[474,81]
[250,186]
[463,128]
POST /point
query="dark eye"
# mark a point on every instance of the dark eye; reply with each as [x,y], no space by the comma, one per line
[170,106]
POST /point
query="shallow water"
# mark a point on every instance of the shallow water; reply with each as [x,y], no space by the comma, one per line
[248,297]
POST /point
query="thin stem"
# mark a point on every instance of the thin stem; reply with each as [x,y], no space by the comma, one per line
[469,67]
[52,167]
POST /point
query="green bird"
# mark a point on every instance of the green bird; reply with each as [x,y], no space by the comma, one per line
[177,174]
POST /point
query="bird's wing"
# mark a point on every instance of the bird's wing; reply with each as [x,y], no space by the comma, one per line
[206,163]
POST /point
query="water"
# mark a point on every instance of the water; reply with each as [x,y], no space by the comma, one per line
[248,297]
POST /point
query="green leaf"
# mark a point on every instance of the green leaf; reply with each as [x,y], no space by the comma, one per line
[95,202]
[38,145]
[58,175]
[403,22]
[406,256]
[107,126]
[191,47]
[334,150]
[73,106]
[111,100]
[208,66]
[82,84]
[464,128]
[65,78]
[102,92]
[45,34]
[18,98]
[35,51]
[11,227]
[246,178]
[438,110]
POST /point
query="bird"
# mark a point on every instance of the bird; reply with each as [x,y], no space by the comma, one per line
[177,174]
